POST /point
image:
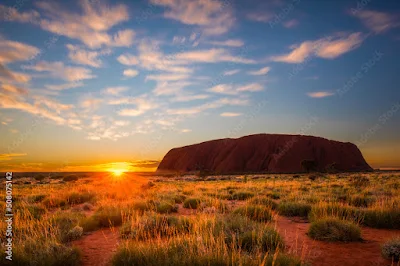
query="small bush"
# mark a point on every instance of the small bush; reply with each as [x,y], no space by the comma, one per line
[333,229]
[268,239]
[343,212]
[75,233]
[191,203]
[180,198]
[80,197]
[254,212]
[274,195]
[36,198]
[241,195]
[382,218]
[105,216]
[391,249]
[36,253]
[54,202]
[165,207]
[294,209]
[142,206]
[264,201]
[39,177]
[36,211]
[70,178]
[362,201]
[359,181]
[150,226]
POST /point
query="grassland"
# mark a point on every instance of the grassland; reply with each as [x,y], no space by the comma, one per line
[227,220]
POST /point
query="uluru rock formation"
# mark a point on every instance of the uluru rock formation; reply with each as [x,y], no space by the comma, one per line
[274,153]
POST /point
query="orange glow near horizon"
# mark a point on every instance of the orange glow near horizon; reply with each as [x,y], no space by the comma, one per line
[117,172]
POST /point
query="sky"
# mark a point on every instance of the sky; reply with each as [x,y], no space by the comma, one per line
[93,85]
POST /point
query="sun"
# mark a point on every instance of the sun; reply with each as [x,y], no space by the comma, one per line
[117,172]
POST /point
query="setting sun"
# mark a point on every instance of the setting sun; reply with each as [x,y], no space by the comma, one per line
[117,172]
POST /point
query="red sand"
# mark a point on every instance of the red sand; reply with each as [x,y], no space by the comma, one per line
[366,253]
[98,247]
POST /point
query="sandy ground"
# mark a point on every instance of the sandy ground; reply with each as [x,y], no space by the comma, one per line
[98,247]
[319,253]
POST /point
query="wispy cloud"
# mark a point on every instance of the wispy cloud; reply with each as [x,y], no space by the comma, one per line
[260,72]
[228,114]
[223,89]
[260,17]
[130,72]
[378,22]
[320,94]
[10,156]
[213,16]
[230,89]
[90,26]
[291,23]
[64,86]
[253,87]
[59,70]
[210,105]
[115,91]
[85,57]
[142,104]
[229,43]
[41,107]
[231,72]
[329,48]
[11,51]
[128,59]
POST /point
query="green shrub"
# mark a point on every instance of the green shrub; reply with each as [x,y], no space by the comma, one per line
[191,203]
[359,181]
[268,240]
[179,198]
[336,210]
[192,252]
[54,202]
[80,197]
[165,207]
[36,211]
[255,212]
[264,201]
[70,178]
[241,195]
[274,195]
[39,177]
[50,253]
[294,209]
[36,198]
[105,216]
[382,218]
[391,249]
[142,206]
[362,201]
[333,229]
[150,226]
[65,222]
[74,234]
[108,216]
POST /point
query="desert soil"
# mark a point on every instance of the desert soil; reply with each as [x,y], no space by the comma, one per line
[319,253]
[98,247]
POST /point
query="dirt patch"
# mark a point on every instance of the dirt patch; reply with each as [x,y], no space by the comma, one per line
[98,247]
[367,252]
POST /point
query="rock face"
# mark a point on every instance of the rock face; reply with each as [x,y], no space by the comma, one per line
[272,153]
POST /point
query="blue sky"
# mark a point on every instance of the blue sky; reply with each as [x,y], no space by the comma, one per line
[88,83]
